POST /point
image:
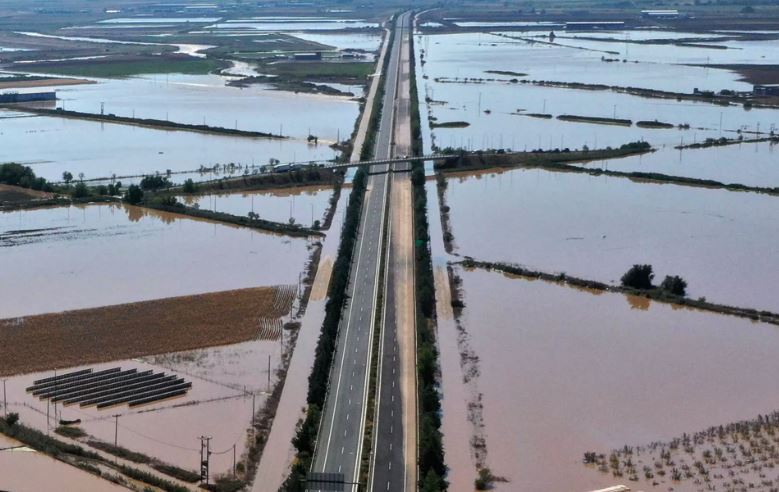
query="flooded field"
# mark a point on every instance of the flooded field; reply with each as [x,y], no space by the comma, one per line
[303,205]
[283,24]
[206,99]
[590,372]
[167,430]
[63,258]
[448,55]
[723,243]
[26,470]
[752,164]
[355,41]
[717,52]
[499,113]
[52,146]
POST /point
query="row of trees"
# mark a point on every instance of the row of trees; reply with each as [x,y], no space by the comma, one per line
[432,468]
[18,175]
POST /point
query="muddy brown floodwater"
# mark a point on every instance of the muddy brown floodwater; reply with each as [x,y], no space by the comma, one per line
[304,205]
[563,371]
[722,243]
[25,470]
[89,256]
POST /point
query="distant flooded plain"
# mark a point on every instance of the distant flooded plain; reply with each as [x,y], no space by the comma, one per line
[593,372]
[206,99]
[505,113]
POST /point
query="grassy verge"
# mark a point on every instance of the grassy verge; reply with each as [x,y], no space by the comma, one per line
[342,72]
[430,452]
[120,68]
[653,294]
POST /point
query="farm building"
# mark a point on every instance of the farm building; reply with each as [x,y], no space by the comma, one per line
[766,90]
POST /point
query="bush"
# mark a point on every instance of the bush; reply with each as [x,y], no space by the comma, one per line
[71,432]
[675,285]
[638,277]
[11,419]
[134,195]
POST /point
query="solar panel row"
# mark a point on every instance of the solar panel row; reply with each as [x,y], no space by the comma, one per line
[109,387]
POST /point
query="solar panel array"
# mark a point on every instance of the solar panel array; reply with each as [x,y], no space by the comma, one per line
[109,387]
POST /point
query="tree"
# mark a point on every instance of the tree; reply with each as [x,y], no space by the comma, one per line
[675,285]
[189,186]
[67,177]
[431,483]
[81,190]
[638,277]
[134,195]
[154,182]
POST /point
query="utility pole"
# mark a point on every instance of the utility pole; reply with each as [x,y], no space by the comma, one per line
[5,402]
[282,334]
[205,457]
[55,401]
[233,460]
[116,429]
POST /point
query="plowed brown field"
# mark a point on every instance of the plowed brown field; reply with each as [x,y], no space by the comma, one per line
[71,338]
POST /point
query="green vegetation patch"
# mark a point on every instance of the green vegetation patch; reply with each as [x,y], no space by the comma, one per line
[120,68]
[321,70]
[653,124]
[450,124]
[594,119]
[506,72]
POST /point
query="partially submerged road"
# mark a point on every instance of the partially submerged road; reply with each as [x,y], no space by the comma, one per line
[342,431]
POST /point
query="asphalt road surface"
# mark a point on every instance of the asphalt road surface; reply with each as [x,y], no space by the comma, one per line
[341,434]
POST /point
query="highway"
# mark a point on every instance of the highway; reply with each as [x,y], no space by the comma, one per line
[393,464]
[341,434]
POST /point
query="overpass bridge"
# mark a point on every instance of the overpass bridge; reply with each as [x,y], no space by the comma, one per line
[290,166]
